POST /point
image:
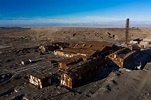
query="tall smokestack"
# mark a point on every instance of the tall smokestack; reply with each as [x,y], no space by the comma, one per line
[126,32]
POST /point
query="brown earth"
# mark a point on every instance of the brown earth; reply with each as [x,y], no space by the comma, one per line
[111,83]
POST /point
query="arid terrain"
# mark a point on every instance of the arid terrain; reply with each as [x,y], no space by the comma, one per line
[110,83]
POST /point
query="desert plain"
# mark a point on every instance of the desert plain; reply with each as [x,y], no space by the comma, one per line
[20,44]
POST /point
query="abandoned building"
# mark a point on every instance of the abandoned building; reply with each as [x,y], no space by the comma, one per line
[123,56]
[88,48]
[69,63]
[40,80]
[43,75]
[80,61]
[51,47]
[71,52]
[142,43]
[81,72]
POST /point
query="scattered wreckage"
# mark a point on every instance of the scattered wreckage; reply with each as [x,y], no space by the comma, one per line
[80,61]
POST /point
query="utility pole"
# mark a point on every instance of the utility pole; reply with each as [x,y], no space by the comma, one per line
[126,31]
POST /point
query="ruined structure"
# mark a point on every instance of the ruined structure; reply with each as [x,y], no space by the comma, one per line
[123,56]
[69,63]
[71,52]
[40,79]
[51,47]
[81,72]
[88,48]
[43,75]
[142,43]
[80,61]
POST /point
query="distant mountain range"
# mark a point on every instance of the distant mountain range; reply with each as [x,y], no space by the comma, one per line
[107,24]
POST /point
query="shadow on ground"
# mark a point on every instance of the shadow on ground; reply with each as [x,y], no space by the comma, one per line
[141,60]
[138,62]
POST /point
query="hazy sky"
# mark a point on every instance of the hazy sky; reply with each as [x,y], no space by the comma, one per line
[36,12]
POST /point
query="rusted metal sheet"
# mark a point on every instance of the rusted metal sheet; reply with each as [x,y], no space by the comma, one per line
[81,72]
[68,63]
[123,56]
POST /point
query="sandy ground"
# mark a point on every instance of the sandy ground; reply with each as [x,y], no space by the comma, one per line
[111,83]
